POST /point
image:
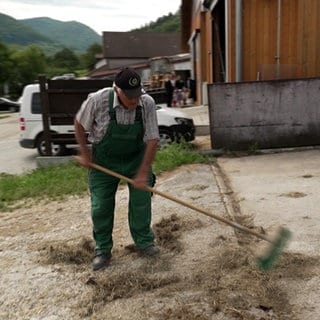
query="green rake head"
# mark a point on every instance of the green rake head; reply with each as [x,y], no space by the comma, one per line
[269,259]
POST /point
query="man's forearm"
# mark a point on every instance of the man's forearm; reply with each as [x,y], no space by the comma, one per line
[81,138]
[151,149]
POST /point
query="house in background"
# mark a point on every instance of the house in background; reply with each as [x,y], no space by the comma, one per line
[152,71]
[247,40]
[134,49]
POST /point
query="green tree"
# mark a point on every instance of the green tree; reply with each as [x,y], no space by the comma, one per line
[168,23]
[6,66]
[66,59]
[89,58]
[28,64]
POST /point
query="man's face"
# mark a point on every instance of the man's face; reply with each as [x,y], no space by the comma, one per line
[129,103]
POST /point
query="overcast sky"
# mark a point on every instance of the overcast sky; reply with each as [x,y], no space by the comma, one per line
[100,15]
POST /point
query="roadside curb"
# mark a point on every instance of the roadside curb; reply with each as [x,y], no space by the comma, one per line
[244,153]
[202,130]
[46,161]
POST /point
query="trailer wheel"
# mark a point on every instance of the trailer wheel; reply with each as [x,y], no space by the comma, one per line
[166,137]
[56,149]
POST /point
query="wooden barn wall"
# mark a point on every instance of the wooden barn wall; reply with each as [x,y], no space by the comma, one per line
[206,49]
[259,36]
[197,24]
[300,39]
[230,57]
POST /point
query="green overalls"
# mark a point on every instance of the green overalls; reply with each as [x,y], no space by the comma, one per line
[121,150]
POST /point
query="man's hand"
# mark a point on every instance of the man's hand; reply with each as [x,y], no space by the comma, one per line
[140,181]
[141,178]
[84,159]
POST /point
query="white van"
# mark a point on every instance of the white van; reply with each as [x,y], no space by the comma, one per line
[173,125]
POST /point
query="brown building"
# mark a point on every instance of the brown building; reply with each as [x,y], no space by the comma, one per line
[250,40]
[134,48]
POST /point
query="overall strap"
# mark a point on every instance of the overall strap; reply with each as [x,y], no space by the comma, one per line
[138,117]
[112,112]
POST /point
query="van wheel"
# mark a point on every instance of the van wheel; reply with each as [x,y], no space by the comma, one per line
[166,137]
[56,149]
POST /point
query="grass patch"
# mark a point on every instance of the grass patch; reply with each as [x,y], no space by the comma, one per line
[176,155]
[53,182]
[56,182]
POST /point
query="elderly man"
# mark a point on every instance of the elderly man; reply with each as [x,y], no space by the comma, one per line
[123,130]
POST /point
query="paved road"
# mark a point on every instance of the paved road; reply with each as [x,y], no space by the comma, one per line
[280,189]
[13,158]
[16,160]
[283,189]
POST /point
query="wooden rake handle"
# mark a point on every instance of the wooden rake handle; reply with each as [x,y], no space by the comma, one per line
[184,203]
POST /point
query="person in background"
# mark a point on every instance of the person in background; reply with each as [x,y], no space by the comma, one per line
[169,86]
[123,130]
[179,91]
[192,90]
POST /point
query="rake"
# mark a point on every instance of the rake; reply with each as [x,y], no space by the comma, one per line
[265,262]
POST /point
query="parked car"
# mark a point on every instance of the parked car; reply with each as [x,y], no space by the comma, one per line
[173,124]
[9,105]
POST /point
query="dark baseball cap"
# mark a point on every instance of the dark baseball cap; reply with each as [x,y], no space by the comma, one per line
[129,82]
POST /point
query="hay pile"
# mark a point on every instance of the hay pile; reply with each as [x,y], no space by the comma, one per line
[228,284]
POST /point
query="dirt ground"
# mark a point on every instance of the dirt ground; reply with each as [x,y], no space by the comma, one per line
[205,270]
